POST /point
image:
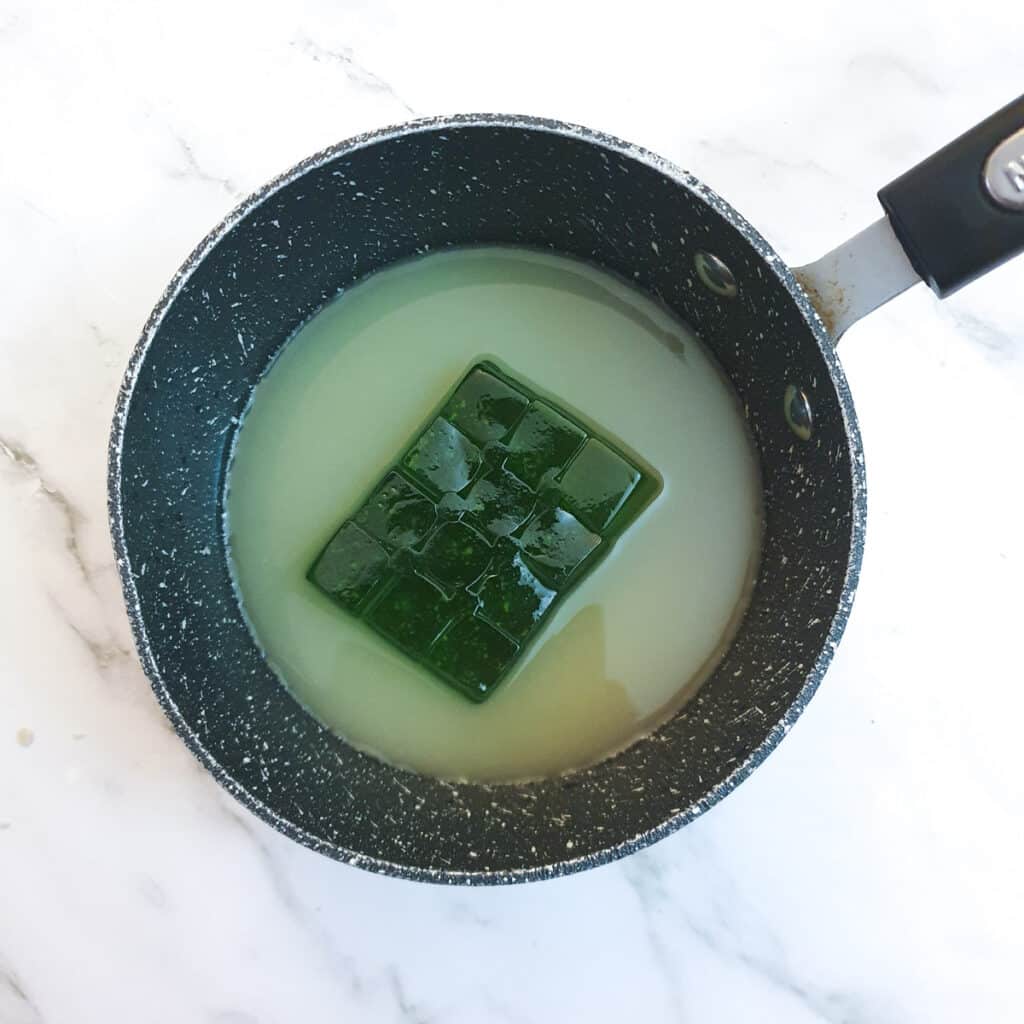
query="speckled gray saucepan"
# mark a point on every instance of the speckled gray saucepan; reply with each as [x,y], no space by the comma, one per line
[382,197]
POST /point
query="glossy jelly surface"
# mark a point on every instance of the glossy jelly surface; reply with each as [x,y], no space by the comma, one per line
[500,505]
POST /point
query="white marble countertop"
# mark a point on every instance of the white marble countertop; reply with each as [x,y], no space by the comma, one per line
[870,871]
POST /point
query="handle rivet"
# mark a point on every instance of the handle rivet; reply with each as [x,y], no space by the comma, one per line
[715,275]
[1004,173]
[797,408]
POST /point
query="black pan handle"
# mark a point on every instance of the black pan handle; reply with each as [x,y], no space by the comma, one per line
[960,213]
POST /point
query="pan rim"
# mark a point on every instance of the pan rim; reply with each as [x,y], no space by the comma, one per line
[116,512]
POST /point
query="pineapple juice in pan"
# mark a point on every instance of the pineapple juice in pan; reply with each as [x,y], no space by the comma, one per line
[493,514]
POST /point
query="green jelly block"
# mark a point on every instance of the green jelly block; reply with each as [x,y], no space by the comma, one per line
[484,407]
[597,485]
[499,506]
[455,555]
[474,655]
[514,599]
[397,513]
[350,566]
[543,443]
[412,614]
[559,542]
[499,503]
[442,458]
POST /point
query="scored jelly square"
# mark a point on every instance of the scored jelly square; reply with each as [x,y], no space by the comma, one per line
[484,407]
[397,513]
[558,542]
[350,566]
[443,458]
[597,484]
[543,443]
[475,655]
[498,508]
[499,502]
[411,613]
[456,555]
[514,599]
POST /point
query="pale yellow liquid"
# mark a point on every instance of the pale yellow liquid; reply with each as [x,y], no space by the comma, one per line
[631,642]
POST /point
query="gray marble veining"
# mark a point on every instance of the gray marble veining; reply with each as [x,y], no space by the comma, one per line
[868,872]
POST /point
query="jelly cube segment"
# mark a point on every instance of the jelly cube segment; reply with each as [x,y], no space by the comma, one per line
[412,613]
[499,502]
[500,505]
[514,599]
[559,542]
[350,565]
[543,441]
[475,655]
[484,407]
[456,555]
[597,484]
[396,512]
[443,458]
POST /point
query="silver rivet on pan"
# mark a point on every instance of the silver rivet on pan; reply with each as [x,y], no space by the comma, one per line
[797,408]
[1004,172]
[715,275]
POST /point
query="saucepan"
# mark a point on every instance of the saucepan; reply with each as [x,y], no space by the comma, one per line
[522,181]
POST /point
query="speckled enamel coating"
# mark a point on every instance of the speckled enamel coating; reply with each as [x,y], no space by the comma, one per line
[270,266]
